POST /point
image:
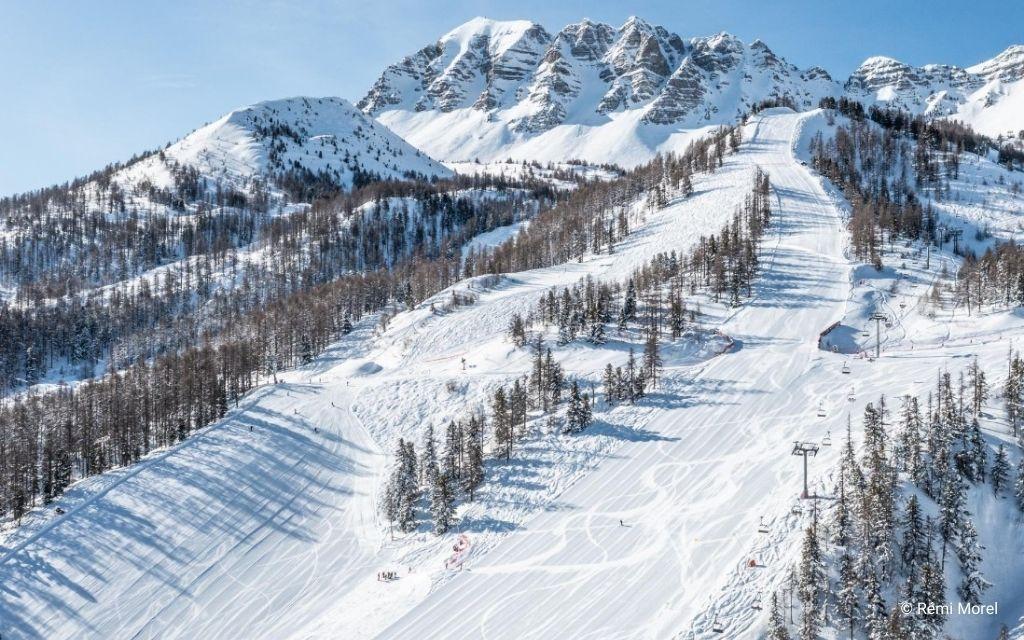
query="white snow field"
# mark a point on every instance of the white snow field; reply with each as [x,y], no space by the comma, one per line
[273,532]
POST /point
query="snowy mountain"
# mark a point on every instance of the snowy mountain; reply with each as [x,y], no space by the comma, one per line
[314,136]
[492,90]
[989,96]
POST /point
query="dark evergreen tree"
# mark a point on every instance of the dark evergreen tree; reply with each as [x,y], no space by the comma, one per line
[474,473]
[1000,470]
[578,414]
[501,417]
[442,503]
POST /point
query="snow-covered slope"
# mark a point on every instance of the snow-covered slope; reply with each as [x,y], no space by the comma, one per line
[511,89]
[319,135]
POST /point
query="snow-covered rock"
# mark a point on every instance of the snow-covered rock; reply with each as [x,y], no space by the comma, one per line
[633,86]
[987,96]
[493,90]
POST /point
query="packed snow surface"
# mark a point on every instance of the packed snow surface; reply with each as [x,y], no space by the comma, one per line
[264,524]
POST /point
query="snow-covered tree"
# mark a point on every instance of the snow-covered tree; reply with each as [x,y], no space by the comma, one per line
[442,503]
[913,535]
[969,553]
[1018,489]
[474,446]
[652,359]
[847,599]
[1000,470]
[776,623]
[578,414]
[502,419]
[428,459]
[811,583]
[611,387]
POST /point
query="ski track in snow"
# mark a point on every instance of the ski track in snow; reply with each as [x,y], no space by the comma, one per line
[273,533]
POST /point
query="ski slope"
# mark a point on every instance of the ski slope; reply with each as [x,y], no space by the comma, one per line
[273,532]
[250,528]
[687,500]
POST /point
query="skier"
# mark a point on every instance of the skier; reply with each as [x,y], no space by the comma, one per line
[620,523]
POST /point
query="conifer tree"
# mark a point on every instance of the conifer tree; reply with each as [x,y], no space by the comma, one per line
[1000,470]
[628,305]
[876,617]
[610,384]
[578,414]
[776,623]
[811,581]
[652,359]
[1018,489]
[442,503]
[391,506]
[452,459]
[951,506]
[502,422]
[978,385]
[555,379]
[847,600]
[969,553]
[474,473]
[428,459]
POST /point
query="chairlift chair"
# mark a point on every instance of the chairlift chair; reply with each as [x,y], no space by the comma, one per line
[846,367]
[827,440]
[761,526]
[821,410]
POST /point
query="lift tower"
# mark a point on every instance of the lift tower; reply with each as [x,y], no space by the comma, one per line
[879,318]
[805,449]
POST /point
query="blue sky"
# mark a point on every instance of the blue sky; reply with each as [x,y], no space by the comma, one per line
[87,83]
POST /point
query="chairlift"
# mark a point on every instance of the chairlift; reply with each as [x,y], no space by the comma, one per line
[852,396]
[761,526]
[821,409]
[865,334]
[903,305]
[756,606]
[796,510]
[888,324]
[846,367]
[827,440]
